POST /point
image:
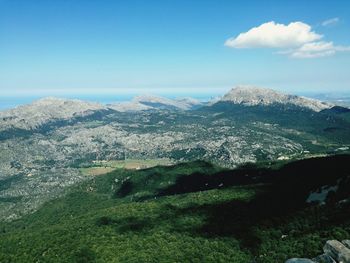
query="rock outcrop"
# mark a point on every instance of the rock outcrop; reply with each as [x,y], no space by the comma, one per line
[334,252]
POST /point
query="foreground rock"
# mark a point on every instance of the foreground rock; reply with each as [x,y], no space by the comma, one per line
[334,252]
[299,260]
[337,250]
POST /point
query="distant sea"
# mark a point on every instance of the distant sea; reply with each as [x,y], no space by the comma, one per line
[9,102]
[340,99]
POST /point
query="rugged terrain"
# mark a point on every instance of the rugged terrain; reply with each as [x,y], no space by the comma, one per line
[45,145]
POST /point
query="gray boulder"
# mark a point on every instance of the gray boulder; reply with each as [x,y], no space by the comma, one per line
[337,250]
[324,259]
[346,243]
[299,260]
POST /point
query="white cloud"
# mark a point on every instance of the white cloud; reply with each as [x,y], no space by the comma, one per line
[273,35]
[317,50]
[297,40]
[330,22]
[314,50]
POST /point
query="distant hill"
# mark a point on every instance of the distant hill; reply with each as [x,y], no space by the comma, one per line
[151,102]
[45,110]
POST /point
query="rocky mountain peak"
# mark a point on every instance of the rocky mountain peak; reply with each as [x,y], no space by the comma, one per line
[251,96]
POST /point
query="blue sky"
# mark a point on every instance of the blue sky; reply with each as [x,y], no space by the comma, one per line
[65,47]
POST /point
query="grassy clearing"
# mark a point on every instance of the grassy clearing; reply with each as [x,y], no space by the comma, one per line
[103,167]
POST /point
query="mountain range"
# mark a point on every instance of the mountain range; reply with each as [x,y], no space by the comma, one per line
[48,109]
[46,146]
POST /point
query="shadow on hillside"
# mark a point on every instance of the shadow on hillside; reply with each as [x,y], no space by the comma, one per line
[237,218]
[294,180]
[284,198]
[201,182]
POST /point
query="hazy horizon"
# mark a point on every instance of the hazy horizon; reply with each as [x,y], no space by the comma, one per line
[112,47]
[12,101]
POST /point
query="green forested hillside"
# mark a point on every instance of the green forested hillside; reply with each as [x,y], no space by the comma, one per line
[192,212]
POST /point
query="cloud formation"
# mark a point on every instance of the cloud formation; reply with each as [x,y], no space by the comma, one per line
[317,49]
[296,40]
[273,35]
[330,22]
